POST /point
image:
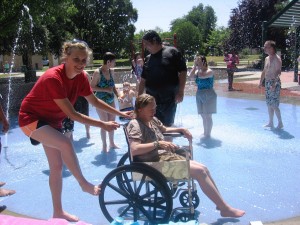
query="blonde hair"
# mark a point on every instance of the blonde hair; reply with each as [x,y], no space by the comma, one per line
[142,101]
[68,47]
[126,84]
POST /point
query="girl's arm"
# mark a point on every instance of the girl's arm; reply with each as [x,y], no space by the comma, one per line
[95,81]
[98,103]
[193,71]
[116,92]
[66,106]
[137,148]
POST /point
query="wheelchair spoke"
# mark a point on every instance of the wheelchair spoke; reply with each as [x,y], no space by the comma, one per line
[118,190]
[116,202]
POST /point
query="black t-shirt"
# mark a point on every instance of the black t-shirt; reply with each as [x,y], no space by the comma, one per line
[161,69]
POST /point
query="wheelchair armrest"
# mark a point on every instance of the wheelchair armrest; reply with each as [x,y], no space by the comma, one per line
[173,134]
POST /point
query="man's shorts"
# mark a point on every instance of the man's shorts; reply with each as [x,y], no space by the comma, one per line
[272,95]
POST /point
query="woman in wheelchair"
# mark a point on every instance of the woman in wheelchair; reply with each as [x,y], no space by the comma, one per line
[147,144]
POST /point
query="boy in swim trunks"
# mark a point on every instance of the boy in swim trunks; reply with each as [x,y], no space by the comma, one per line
[271,74]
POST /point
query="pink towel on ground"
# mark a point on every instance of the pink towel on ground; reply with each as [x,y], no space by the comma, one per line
[11,220]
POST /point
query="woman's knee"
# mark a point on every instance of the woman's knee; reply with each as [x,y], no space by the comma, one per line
[199,169]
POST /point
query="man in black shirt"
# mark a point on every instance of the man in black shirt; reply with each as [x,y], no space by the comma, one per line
[163,77]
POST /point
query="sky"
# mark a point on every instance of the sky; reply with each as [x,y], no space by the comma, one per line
[160,13]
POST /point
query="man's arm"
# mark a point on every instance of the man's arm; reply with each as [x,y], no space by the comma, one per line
[262,76]
[182,81]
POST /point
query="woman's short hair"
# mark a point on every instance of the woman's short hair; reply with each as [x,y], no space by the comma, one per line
[142,101]
[68,46]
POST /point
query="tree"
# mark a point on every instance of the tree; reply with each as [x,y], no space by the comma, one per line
[188,38]
[105,25]
[203,18]
[246,23]
[217,39]
[31,32]
[200,17]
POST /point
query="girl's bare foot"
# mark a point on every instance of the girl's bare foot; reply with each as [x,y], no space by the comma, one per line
[2,184]
[113,146]
[90,188]
[66,216]
[232,212]
[269,125]
[104,149]
[6,192]
[280,125]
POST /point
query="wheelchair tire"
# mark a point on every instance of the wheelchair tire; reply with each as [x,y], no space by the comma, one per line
[184,199]
[123,160]
[183,217]
[138,200]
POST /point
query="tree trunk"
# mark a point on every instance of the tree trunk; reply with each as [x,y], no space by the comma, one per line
[30,74]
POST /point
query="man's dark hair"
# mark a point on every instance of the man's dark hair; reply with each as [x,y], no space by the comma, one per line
[152,36]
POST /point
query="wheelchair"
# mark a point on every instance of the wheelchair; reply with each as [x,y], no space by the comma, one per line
[144,191]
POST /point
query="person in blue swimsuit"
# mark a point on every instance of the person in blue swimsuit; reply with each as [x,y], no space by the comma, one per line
[104,86]
[206,96]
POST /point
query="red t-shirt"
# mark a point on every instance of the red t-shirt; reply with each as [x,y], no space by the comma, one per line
[53,84]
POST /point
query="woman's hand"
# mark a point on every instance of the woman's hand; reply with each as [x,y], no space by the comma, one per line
[168,146]
[187,134]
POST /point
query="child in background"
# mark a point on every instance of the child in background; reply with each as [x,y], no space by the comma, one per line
[104,85]
[126,99]
[137,68]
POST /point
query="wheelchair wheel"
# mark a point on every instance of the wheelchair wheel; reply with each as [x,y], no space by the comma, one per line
[184,199]
[124,160]
[147,198]
[183,217]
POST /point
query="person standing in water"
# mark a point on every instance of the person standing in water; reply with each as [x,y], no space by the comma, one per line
[271,74]
[206,97]
[104,85]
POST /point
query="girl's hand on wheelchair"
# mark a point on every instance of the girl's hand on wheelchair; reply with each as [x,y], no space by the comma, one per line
[110,125]
[128,114]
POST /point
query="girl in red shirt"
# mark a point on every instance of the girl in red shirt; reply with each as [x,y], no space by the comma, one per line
[48,103]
